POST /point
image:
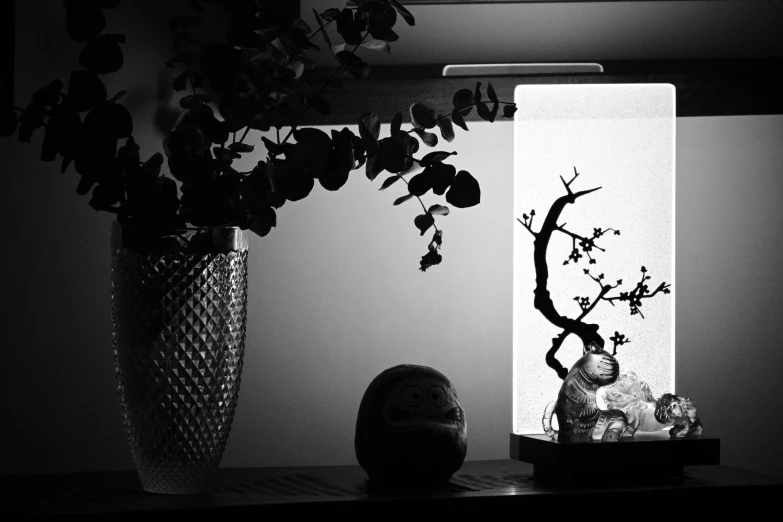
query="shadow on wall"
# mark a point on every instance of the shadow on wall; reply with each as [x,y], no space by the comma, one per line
[336,296]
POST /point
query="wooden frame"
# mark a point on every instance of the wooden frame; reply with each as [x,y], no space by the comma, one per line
[704,87]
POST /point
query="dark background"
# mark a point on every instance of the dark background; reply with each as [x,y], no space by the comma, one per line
[335,294]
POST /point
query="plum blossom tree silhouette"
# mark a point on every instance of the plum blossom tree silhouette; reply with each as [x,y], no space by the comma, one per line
[587,332]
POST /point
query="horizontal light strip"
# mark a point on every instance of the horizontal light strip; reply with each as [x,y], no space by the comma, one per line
[520,69]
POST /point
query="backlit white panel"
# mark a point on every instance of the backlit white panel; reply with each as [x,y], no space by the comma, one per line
[619,138]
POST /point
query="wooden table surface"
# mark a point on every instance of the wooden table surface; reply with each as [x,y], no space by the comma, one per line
[477,487]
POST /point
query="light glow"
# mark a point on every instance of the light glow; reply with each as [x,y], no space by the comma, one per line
[621,138]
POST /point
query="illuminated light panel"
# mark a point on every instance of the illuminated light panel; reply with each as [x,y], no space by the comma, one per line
[620,138]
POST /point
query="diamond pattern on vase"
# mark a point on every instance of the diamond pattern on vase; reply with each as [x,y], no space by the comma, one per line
[179,336]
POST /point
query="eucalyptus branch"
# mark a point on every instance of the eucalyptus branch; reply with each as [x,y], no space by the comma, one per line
[421,203]
[244,135]
[321,90]
[320,29]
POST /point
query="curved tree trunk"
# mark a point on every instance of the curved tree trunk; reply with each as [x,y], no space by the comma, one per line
[588,333]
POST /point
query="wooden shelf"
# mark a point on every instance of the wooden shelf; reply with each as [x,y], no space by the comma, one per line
[320,491]
[704,87]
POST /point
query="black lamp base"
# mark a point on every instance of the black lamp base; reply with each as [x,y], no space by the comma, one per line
[644,456]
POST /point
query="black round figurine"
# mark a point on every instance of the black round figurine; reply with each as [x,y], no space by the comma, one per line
[411,427]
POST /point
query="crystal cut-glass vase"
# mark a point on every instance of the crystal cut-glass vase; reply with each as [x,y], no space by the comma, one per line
[179,309]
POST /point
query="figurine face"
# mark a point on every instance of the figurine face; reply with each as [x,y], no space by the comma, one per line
[601,368]
[422,400]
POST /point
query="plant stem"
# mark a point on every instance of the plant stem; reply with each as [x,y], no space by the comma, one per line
[321,90]
[447,116]
[422,205]
[247,129]
[321,28]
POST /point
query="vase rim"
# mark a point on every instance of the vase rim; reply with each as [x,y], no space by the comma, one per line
[173,230]
[222,238]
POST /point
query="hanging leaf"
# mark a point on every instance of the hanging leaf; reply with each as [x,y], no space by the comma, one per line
[463,100]
[509,110]
[330,14]
[392,155]
[446,128]
[293,182]
[350,26]
[344,151]
[84,23]
[435,157]
[48,95]
[241,147]
[374,166]
[410,146]
[180,83]
[66,123]
[402,199]
[302,26]
[396,123]
[420,183]
[377,45]
[428,138]
[381,31]
[353,64]
[493,97]
[456,116]
[85,90]
[382,11]
[102,54]
[388,182]
[422,116]
[429,259]
[465,191]
[439,210]
[423,222]
[369,130]
[334,176]
[477,93]
[436,242]
[321,28]
[483,111]
[406,15]
[313,147]
[319,104]
[271,147]
[494,112]
[220,64]
[108,121]
[193,101]
[442,175]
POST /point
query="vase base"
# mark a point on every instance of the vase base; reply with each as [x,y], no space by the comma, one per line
[173,483]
